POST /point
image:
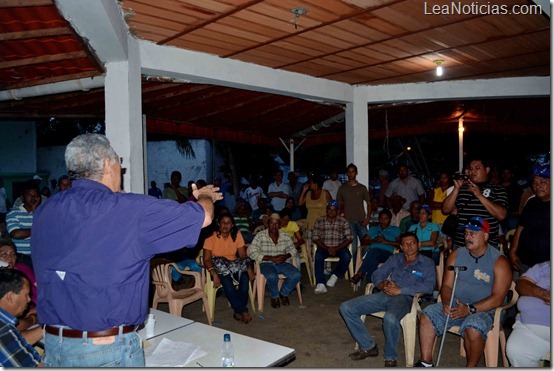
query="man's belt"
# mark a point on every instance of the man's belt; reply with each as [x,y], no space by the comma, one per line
[70,333]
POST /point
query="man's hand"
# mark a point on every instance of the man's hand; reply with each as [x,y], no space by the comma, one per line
[460,311]
[546,297]
[280,258]
[207,191]
[474,188]
[458,183]
[380,239]
[514,260]
[390,288]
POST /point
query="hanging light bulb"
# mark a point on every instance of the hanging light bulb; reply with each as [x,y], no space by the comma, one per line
[438,62]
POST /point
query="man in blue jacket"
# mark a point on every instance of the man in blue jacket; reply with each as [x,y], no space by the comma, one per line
[399,279]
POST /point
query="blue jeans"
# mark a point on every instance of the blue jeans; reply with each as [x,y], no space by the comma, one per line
[271,272]
[320,256]
[480,322]
[125,351]
[371,261]
[359,231]
[396,308]
[238,297]
[190,263]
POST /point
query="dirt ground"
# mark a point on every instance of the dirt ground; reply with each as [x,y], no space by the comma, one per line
[316,330]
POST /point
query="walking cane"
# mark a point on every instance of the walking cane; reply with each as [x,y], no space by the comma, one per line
[456,271]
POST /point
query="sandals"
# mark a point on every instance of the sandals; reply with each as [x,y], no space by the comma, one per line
[357,277]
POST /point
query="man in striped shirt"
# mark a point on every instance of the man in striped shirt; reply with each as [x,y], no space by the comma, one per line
[19,221]
[477,196]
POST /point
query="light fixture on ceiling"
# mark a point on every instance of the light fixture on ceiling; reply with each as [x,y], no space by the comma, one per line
[297,13]
[438,62]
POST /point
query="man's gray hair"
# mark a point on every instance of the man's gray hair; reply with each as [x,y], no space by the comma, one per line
[85,154]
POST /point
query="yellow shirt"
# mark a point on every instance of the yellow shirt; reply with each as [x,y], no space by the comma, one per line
[436,215]
[291,228]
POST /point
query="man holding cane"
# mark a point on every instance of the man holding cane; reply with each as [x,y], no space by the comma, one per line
[481,288]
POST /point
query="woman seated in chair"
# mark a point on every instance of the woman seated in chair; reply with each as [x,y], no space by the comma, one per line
[220,260]
[296,214]
[428,233]
[8,255]
[292,229]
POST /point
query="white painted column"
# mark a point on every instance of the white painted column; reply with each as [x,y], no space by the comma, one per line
[124,126]
[357,134]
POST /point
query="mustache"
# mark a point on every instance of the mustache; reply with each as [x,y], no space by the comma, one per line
[470,242]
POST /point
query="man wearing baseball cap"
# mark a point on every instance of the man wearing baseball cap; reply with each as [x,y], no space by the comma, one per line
[273,248]
[531,244]
[484,279]
[332,235]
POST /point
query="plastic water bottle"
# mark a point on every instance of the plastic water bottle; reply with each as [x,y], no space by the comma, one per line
[227,352]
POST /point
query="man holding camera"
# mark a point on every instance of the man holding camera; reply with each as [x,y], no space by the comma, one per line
[476,196]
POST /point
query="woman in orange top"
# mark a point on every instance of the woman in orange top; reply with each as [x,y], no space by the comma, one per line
[226,242]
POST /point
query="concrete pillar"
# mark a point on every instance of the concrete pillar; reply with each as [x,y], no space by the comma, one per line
[357,134]
[124,127]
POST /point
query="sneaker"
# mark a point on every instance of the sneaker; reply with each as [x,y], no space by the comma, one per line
[332,281]
[362,354]
[320,289]
[422,363]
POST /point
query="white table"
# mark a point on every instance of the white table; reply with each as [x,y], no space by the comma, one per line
[249,352]
[165,322]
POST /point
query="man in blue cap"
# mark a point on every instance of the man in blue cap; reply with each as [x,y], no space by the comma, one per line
[332,235]
[531,243]
[482,285]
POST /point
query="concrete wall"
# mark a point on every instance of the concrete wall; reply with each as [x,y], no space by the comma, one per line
[51,159]
[163,157]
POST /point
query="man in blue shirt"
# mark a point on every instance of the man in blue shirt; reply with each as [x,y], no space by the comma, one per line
[15,350]
[382,239]
[399,279]
[154,191]
[92,246]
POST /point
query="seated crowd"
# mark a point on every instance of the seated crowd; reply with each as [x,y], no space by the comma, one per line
[395,246]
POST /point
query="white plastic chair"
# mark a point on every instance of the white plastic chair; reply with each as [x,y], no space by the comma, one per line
[408,323]
[334,259]
[495,337]
[260,282]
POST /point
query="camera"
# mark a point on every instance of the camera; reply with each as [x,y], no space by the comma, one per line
[458,176]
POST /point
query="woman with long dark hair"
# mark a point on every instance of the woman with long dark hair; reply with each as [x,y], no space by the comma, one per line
[226,269]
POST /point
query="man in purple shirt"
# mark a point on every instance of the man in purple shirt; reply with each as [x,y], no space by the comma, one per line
[93,246]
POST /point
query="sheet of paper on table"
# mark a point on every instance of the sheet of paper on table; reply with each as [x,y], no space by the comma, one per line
[171,353]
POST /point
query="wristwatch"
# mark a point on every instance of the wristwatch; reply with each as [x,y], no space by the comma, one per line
[472,308]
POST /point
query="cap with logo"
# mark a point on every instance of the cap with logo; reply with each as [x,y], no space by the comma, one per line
[542,170]
[477,224]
